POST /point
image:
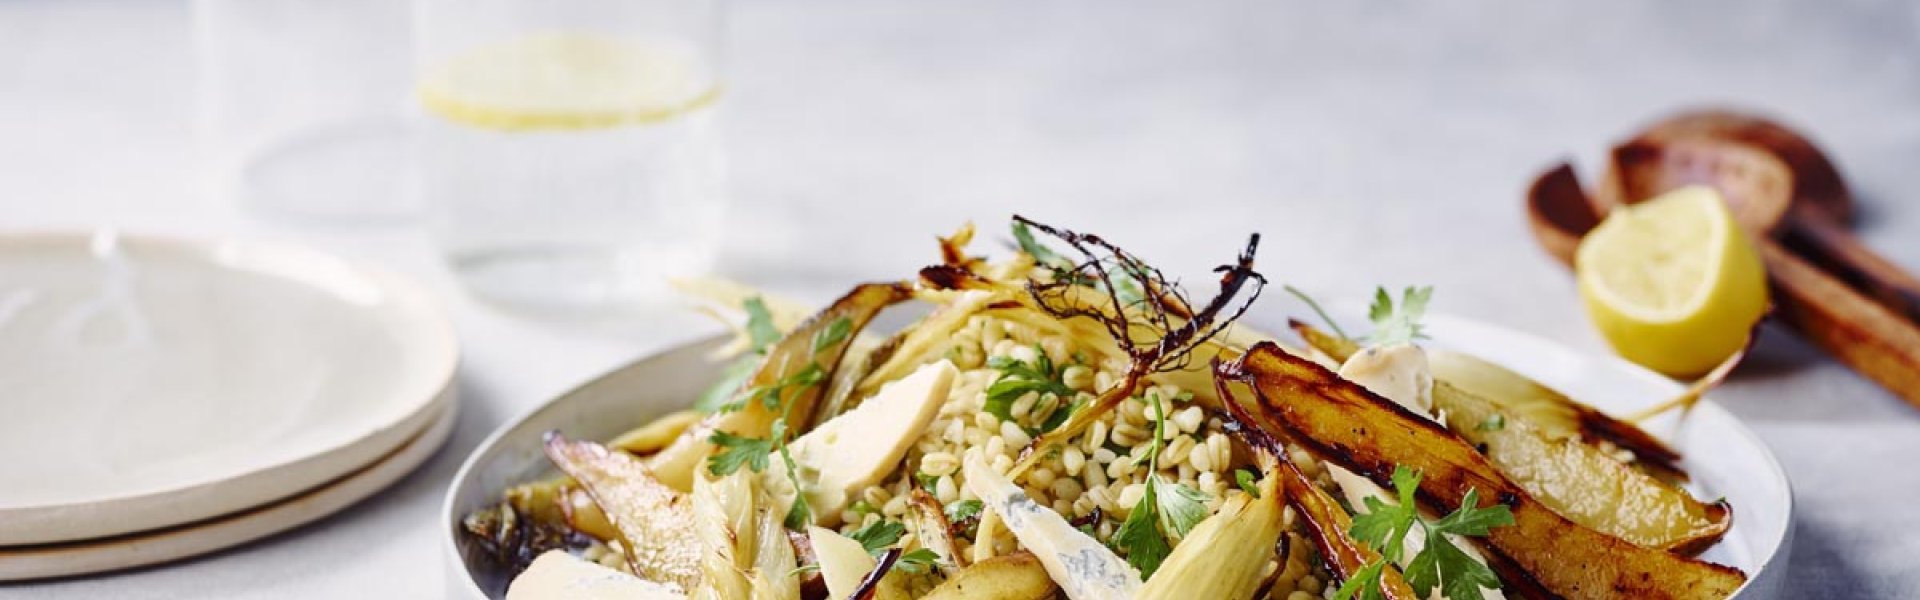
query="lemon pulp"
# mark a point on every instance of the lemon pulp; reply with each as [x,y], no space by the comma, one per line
[1672,283]
[569,80]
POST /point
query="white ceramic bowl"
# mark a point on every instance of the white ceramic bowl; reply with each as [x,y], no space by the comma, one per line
[1724,456]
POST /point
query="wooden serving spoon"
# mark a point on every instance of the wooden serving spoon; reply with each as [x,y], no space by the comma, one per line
[1816,212]
[1880,340]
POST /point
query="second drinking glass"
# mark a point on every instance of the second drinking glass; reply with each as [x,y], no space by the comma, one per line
[569,152]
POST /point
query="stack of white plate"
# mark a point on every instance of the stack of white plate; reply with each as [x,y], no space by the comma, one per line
[166,398]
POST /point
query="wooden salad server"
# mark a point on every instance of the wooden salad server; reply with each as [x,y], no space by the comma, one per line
[1835,292]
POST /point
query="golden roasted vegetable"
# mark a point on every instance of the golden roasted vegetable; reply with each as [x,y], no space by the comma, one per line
[1576,479]
[1552,412]
[846,566]
[655,522]
[1581,483]
[675,465]
[773,558]
[931,527]
[1017,576]
[657,434]
[1337,419]
[1226,555]
[1329,525]
[723,513]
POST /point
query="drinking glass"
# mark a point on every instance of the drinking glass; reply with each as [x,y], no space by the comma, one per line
[303,106]
[568,152]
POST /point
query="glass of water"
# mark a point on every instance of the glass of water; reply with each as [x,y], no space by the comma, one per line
[568,154]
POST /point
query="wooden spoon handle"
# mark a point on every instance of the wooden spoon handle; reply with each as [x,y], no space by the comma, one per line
[1832,248]
[1875,341]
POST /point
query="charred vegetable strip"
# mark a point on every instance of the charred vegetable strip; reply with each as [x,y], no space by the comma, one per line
[1581,483]
[795,353]
[1358,429]
[1330,525]
[655,522]
[1575,479]
[1552,411]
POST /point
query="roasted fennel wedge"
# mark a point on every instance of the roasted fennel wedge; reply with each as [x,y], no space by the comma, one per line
[1302,401]
[654,521]
[789,358]
[1579,480]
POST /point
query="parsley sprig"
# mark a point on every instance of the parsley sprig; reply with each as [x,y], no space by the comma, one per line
[1018,378]
[1167,510]
[736,451]
[761,334]
[1439,562]
[1391,324]
[1401,324]
[878,536]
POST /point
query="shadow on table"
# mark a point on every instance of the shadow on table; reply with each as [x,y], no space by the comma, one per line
[1820,567]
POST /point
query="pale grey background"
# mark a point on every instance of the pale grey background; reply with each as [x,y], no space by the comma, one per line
[1373,142]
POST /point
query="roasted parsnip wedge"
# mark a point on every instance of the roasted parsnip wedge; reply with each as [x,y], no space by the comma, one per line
[1018,576]
[1349,425]
[1576,479]
[655,522]
[1552,412]
[1329,525]
[675,464]
[1583,484]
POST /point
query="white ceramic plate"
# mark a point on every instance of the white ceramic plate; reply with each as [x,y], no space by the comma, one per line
[152,382]
[1725,458]
[142,549]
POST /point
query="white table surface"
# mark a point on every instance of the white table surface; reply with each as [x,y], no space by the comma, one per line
[1372,142]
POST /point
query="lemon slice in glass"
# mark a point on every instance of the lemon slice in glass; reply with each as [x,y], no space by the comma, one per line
[568,81]
[1673,283]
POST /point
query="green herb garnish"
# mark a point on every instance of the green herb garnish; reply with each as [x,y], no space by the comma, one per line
[963,510]
[878,535]
[917,561]
[1165,511]
[1017,378]
[737,451]
[1439,562]
[761,334]
[1248,481]
[1401,324]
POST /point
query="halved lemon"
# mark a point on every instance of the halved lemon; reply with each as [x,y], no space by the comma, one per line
[1673,283]
[569,81]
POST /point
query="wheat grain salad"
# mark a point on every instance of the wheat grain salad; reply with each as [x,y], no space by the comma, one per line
[1068,422]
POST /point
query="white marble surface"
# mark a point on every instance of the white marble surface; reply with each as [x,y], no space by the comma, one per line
[1373,142]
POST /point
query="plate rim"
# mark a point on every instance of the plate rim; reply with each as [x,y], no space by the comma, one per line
[186,541]
[186,502]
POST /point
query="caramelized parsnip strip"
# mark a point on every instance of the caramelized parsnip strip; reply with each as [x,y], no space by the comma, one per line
[1352,426]
[1553,412]
[1574,478]
[1329,525]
